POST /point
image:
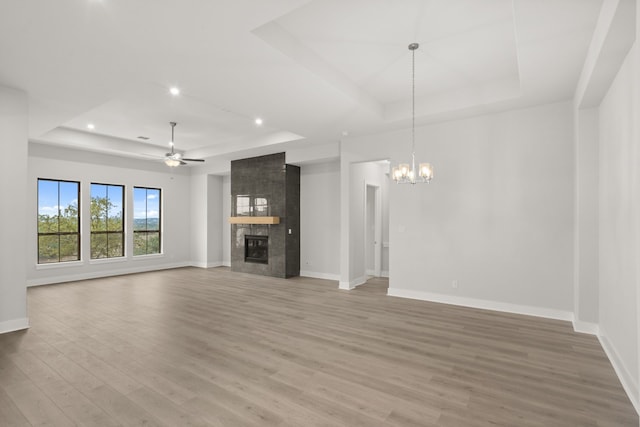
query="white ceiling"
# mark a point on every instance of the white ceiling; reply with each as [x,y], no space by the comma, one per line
[310,69]
[463,42]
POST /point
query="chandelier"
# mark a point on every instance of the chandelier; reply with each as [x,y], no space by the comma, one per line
[406,173]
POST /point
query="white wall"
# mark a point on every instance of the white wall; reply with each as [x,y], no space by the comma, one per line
[370,229]
[90,167]
[215,232]
[607,220]
[206,220]
[199,223]
[320,220]
[498,217]
[618,223]
[13,210]
[385,226]
[586,220]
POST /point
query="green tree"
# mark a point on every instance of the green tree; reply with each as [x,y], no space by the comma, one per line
[70,223]
[107,231]
[47,223]
[64,245]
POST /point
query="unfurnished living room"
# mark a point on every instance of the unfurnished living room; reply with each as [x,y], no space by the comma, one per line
[320,213]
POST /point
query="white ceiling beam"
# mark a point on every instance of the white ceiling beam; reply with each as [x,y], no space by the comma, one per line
[613,37]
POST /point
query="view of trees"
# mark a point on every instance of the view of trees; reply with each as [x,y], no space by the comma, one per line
[58,226]
[59,221]
[107,224]
[145,243]
[146,221]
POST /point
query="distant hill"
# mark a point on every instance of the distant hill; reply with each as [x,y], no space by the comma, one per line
[146,224]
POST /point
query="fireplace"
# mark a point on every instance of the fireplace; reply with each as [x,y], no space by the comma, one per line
[265,216]
[256,249]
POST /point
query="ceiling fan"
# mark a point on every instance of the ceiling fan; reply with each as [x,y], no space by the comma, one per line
[174,159]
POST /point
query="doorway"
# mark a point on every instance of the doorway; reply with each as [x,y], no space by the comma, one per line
[372,230]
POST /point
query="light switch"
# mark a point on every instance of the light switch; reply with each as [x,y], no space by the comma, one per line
[290,232]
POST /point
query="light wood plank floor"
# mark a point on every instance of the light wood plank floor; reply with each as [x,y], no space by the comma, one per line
[195,347]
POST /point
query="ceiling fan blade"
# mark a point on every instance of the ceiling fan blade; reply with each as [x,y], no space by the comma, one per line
[182,163]
[193,160]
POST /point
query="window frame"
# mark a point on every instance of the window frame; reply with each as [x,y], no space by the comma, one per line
[77,233]
[107,232]
[147,231]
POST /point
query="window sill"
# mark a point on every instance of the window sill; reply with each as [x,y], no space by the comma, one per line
[107,260]
[145,257]
[55,265]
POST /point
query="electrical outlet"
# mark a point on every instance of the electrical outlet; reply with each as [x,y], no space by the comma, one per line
[454,284]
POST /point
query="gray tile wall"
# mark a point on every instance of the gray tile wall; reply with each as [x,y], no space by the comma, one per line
[270,177]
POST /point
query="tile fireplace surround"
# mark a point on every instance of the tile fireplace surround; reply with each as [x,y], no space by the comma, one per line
[265,201]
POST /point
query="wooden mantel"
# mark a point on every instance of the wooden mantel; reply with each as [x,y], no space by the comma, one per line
[254,220]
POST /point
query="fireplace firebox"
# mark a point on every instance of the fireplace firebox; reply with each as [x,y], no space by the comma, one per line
[256,249]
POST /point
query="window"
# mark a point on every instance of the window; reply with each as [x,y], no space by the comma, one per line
[146,221]
[251,206]
[107,221]
[243,205]
[58,221]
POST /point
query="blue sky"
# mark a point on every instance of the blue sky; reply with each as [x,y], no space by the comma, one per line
[48,196]
[146,203]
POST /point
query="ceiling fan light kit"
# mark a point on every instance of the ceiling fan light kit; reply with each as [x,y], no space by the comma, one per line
[171,162]
[174,159]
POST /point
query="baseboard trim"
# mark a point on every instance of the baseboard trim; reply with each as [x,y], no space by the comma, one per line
[586,327]
[207,264]
[347,286]
[482,304]
[226,263]
[199,264]
[14,325]
[317,275]
[383,273]
[100,274]
[629,384]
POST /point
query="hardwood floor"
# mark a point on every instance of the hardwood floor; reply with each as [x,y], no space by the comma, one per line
[195,347]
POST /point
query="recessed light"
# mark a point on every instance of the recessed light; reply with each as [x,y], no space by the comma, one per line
[91,126]
[258,121]
[174,91]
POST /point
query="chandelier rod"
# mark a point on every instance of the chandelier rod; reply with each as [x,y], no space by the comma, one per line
[413,48]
